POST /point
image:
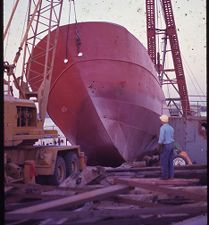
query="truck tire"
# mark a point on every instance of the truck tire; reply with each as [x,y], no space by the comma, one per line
[42,179]
[59,172]
[180,161]
[72,163]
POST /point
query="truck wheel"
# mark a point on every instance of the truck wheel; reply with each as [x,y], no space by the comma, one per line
[59,172]
[179,161]
[72,163]
[41,179]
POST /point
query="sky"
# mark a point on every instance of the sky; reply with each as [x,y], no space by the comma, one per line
[189,15]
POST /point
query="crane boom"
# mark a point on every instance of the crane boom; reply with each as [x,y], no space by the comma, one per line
[171,33]
[43,18]
[10,19]
[151,38]
[178,66]
[46,20]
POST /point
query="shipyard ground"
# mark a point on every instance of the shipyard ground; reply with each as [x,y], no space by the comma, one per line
[127,195]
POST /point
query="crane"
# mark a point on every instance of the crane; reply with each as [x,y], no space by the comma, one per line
[170,34]
[43,17]
[23,118]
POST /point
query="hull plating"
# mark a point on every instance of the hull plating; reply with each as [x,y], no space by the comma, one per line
[109,100]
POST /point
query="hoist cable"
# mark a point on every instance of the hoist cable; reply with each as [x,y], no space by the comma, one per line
[7,33]
[66,53]
[78,40]
[24,25]
[192,76]
[74,11]
[157,23]
[11,17]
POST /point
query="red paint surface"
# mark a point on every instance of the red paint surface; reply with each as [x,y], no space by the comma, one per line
[109,100]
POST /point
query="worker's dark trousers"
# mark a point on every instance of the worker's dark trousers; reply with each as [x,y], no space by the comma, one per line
[166,160]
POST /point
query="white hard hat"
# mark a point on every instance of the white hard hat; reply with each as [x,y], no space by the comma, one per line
[164,118]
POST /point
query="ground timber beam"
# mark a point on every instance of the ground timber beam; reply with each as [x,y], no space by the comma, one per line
[157,187]
[74,200]
[198,220]
[156,168]
[190,209]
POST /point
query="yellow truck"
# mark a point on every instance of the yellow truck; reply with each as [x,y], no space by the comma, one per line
[26,161]
[24,115]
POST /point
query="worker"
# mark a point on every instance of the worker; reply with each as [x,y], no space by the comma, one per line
[59,140]
[166,148]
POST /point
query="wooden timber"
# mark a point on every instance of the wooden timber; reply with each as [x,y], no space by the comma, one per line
[156,168]
[190,209]
[197,220]
[155,186]
[142,201]
[73,200]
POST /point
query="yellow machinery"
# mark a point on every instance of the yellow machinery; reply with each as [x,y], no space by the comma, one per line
[25,161]
[24,116]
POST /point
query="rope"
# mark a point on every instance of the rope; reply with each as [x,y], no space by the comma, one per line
[157,22]
[7,38]
[193,76]
[78,39]
[66,53]
[74,11]
[24,25]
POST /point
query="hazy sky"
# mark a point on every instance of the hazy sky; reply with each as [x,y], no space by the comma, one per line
[190,19]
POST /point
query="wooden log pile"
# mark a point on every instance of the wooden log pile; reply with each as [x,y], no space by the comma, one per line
[112,196]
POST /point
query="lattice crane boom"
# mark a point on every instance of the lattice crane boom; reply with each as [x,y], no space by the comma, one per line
[171,33]
[43,18]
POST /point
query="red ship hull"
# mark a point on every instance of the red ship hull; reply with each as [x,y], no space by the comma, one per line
[109,100]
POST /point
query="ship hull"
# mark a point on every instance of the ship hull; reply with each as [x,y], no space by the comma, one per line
[109,100]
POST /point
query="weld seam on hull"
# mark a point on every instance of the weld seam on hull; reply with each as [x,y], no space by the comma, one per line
[119,121]
[55,81]
[125,102]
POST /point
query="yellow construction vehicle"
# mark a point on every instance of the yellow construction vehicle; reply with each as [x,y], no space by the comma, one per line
[24,116]
[49,164]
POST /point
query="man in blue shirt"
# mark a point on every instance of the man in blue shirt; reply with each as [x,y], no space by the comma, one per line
[166,144]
